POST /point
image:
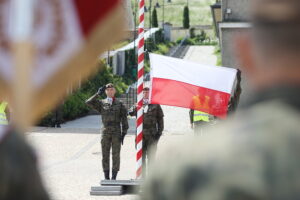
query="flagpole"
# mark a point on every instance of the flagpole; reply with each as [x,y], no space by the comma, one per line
[140,76]
[23,55]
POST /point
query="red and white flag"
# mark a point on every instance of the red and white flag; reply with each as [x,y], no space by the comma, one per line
[176,82]
[60,41]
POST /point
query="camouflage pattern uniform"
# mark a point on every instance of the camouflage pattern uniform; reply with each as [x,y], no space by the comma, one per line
[114,119]
[153,126]
[254,156]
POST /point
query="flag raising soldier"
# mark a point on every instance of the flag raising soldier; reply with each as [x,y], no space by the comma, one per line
[153,126]
[115,126]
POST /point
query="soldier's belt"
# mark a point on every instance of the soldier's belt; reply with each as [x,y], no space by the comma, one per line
[115,124]
[149,126]
[112,126]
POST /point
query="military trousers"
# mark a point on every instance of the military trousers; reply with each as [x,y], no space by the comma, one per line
[111,141]
[149,148]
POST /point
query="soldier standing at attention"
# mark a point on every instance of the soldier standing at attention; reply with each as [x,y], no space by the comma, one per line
[115,126]
[153,126]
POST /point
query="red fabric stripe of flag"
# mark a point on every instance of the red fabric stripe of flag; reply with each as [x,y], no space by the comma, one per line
[176,82]
[91,12]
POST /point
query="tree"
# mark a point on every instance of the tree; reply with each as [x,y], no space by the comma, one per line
[154,18]
[186,17]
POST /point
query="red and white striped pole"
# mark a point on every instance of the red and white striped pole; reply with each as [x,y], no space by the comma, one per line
[140,75]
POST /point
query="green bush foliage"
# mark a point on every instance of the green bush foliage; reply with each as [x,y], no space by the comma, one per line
[154,18]
[186,17]
[74,106]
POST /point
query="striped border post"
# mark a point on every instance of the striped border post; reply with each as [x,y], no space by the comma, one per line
[140,75]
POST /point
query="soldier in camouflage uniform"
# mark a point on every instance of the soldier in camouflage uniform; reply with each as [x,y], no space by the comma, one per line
[255,154]
[115,126]
[153,126]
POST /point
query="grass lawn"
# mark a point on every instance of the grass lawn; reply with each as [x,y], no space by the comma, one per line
[200,13]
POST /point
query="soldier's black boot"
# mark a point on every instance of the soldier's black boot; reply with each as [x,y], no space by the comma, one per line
[106,175]
[114,175]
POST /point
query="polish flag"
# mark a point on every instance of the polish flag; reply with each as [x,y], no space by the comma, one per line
[176,82]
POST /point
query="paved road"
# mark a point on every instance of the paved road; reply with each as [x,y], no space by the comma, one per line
[201,54]
[70,158]
[94,123]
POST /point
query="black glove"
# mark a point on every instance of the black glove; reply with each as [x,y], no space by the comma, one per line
[122,138]
[101,90]
[157,136]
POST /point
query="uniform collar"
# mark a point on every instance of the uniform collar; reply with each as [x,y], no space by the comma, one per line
[110,100]
[146,101]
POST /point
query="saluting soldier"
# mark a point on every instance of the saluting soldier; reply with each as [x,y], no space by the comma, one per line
[115,126]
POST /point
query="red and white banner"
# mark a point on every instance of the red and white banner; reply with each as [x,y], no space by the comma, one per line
[176,82]
[66,38]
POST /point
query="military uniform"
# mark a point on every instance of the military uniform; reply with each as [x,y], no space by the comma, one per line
[115,124]
[153,126]
[253,156]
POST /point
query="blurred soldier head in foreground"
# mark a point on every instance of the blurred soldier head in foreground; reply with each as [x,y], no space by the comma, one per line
[19,176]
[253,156]
[269,53]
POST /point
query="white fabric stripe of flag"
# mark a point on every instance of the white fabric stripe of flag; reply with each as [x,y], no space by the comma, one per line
[211,77]
[72,42]
[21,20]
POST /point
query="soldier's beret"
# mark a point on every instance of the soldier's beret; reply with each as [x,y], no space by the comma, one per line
[109,85]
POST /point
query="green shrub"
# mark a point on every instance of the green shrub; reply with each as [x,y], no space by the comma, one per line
[74,106]
[186,17]
[163,49]
[154,18]
[218,54]
[202,37]
[179,40]
[192,32]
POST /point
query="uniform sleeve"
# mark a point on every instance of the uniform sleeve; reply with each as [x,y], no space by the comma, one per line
[94,103]
[160,120]
[192,116]
[124,120]
[132,111]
